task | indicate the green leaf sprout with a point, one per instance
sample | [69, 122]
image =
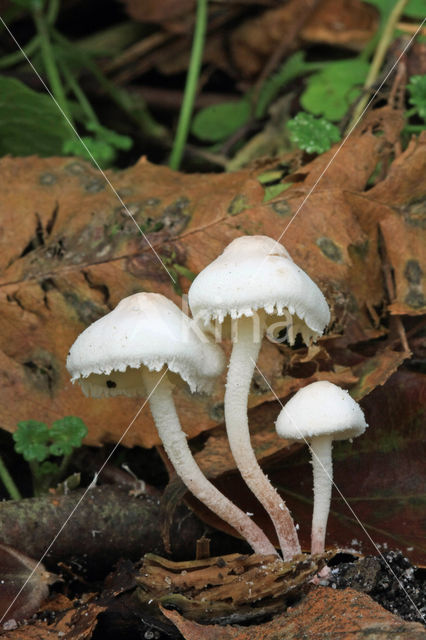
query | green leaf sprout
[37, 443]
[314, 135]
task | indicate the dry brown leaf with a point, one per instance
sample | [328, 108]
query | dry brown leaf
[355, 617]
[70, 253]
[256, 39]
[404, 184]
[152, 11]
[405, 244]
[65, 621]
[24, 584]
[343, 23]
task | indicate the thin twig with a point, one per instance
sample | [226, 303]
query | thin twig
[286, 45]
[378, 59]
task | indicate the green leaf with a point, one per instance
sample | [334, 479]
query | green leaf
[113, 138]
[274, 190]
[101, 151]
[219, 121]
[184, 271]
[66, 434]
[417, 90]
[312, 134]
[102, 146]
[30, 122]
[48, 468]
[29, 4]
[31, 439]
[383, 6]
[294, 67]
[331, 91]
[414, 8]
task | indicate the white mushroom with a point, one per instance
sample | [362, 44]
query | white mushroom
[145, 345]
[318, 414]
[255, 283]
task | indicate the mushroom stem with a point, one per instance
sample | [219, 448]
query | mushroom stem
[175, 443]
[241, 367]
[322, 468]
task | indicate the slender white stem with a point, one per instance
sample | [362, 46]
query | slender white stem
[175, 443]
[241, 366]
[322, 468]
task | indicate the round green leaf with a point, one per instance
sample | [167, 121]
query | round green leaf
[219, 121]
[331, 91]
[31, 439]
[66, 434]
[417, 90]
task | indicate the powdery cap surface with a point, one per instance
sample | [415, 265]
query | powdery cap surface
[145, 329]
[253, 273]
[319, 409]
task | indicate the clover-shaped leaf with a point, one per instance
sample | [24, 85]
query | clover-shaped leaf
[31, 439]
[66, 434]
[314, 135]
[417, 89]
[331, 91]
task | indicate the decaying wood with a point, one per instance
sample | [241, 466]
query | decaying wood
[215, 589]
[107, 524]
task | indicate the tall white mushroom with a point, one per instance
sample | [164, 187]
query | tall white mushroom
[255, 283]
[318, 414]
[143, 347]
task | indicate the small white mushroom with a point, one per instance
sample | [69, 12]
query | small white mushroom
[256, 283]
[318, 414]
[143, 347]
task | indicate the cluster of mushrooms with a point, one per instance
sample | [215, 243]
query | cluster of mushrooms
[146, 345]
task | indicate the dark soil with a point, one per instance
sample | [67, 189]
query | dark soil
[391, 580]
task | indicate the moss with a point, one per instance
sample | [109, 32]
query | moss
[330, 249]
[413, 271]
[282, 208]
[238, 204]
[415, 299]
[47, 179]
[87, 311]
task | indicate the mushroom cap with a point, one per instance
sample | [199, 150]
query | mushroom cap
[321, 409]
[257, 273]
[145, 329]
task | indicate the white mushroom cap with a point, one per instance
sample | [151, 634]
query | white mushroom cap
[321, 409]
[257, 273]
[145, 329]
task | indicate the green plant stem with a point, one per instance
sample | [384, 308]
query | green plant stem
[64, 465]
[8, 482]
[36, 477]
[410, 112]
[79, 94]
[377, 61]
[50, 63]
[122, 99]
[415, 128]
[52, 11]
[190, 86]
[17, 56]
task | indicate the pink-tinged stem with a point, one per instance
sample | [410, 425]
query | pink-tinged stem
[175, 443]
[241, 367]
